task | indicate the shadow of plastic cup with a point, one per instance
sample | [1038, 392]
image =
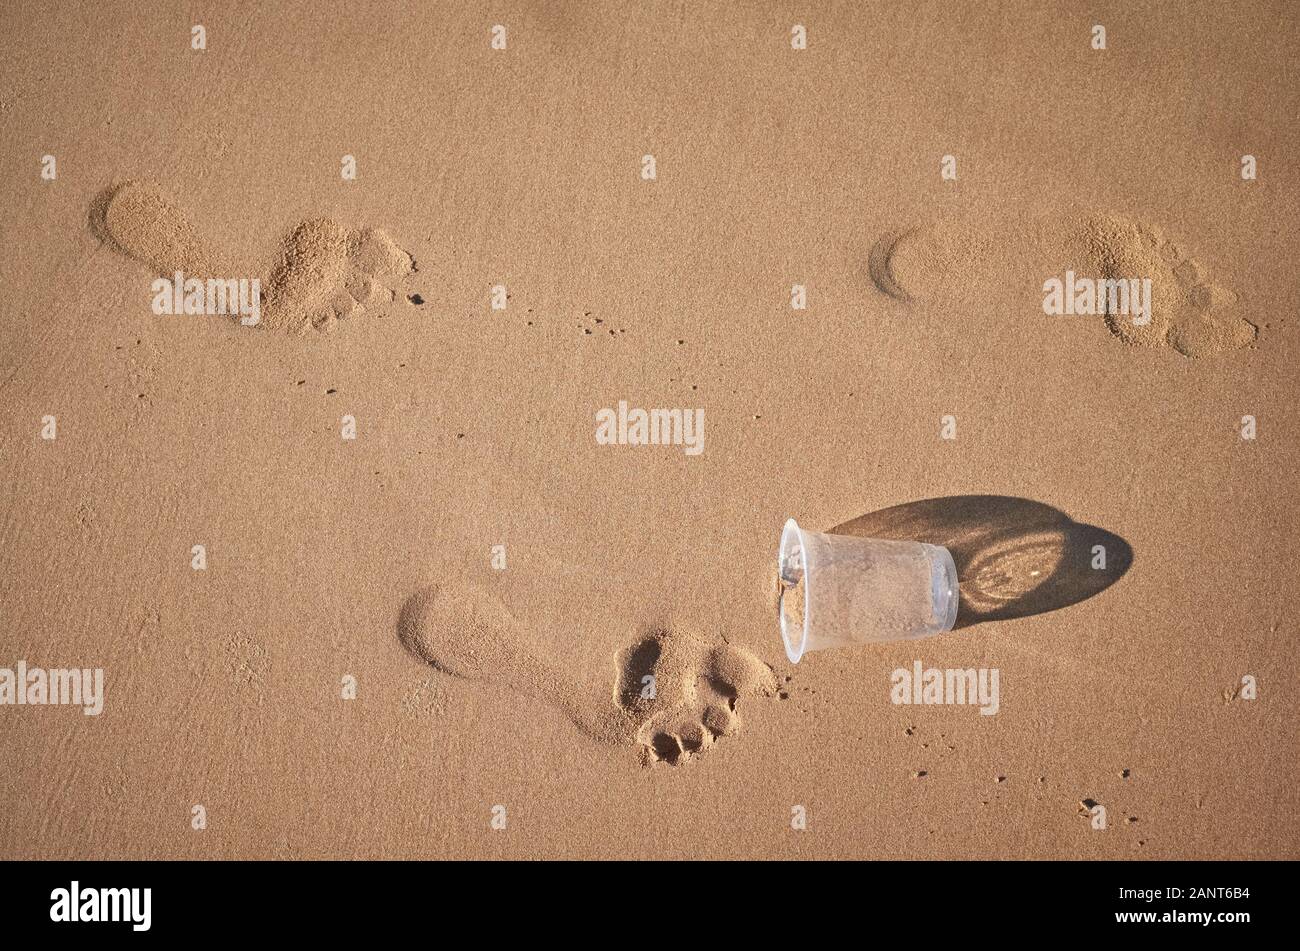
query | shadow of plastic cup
[841, 590]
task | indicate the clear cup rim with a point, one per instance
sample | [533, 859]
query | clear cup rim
[792, 533]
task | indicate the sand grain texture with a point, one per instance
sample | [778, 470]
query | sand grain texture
[482, 682]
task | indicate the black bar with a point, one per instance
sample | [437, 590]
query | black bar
[1222, 901]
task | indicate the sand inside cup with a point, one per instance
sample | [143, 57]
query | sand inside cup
[790, 607]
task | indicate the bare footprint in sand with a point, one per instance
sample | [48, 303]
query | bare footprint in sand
[1189, 313]
[325, 272]
[696, 691]
[674, 694]
[922, 263]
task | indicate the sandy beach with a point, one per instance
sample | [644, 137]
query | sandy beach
[364, 576]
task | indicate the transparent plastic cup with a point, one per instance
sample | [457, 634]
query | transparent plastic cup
[841, 590]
